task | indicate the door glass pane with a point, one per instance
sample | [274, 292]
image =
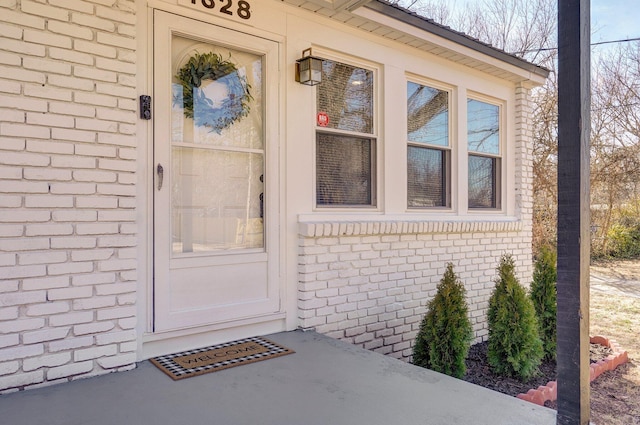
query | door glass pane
[216, 200]
[225, 109]
[217, 155]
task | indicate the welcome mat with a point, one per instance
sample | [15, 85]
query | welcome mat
[217, 357]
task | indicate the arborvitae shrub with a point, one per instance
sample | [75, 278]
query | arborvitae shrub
[544, 298]
[445, 333]
[515, 348]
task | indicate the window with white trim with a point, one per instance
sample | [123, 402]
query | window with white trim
[483, 139]
[428, 149]
[345, 137]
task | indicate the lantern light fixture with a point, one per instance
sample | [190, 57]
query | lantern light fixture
[309, 69]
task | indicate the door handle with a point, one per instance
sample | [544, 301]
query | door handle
[262, 205]
[160, 172]
[262, 198]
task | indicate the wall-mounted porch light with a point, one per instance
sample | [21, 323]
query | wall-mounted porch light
[309, 69]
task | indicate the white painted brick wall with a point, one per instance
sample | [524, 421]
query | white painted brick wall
[368, 283]
[370, 287]
[67, 187]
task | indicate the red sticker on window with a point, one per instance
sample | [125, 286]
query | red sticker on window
[322, 119]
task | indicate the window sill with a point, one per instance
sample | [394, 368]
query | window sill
[314, 226]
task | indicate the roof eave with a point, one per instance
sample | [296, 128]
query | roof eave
[461, 39]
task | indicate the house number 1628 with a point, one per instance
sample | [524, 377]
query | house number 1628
[242, 8]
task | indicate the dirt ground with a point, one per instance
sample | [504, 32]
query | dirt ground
[480, 373]
[629, 270]
[615, 395]
[615, 314]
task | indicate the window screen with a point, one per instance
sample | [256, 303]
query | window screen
[428, 151]
[345, 146]
[427, 115]
[343, 170]
[346, 96]
[482, 182]
[426, 177]
[483, 136]
[483, 127]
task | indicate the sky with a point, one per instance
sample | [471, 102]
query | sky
[610, 19]
[614, 19]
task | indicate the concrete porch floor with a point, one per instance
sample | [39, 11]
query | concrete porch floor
[326, 382]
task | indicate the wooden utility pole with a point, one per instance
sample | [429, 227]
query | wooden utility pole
[574, 101]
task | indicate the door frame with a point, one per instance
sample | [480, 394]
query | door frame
[152, 342]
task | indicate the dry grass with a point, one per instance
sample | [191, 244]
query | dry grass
[615, 395]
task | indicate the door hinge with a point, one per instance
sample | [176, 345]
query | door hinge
[145, 107]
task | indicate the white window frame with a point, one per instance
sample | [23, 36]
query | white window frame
[500, 157]
[448, 150]
[374, 136]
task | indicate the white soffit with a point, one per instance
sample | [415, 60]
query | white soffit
[350, 13]
[336, 4]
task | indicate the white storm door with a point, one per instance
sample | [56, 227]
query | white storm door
[215, 174]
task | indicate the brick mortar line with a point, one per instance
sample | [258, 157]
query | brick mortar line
[549, 392]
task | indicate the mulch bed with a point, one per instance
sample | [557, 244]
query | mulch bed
[479, 371]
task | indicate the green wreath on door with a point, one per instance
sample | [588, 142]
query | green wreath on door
[211, 66]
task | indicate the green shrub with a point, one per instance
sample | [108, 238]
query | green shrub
[445, 334]
[620, 238]
[624, 240]
[515, 348]
[544, 298]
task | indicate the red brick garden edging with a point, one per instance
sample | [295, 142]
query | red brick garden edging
[549, 392]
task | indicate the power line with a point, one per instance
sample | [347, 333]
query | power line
[546, 49]
[616, 41]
